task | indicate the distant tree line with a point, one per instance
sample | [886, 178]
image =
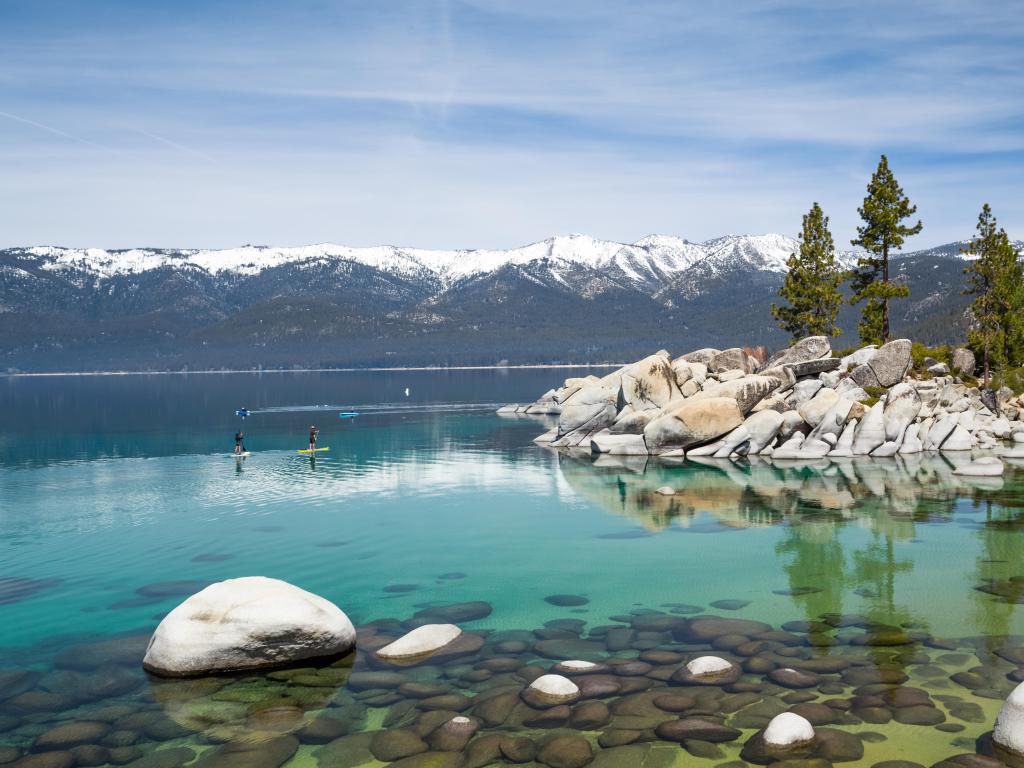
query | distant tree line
[811, 290]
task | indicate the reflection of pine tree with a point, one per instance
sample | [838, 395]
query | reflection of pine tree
[817, 560]
[1002, 547]
[875, 567]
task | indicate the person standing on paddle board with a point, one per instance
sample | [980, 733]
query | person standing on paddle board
[239, 445]
[312, 438]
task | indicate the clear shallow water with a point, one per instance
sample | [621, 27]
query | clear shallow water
[115, 489]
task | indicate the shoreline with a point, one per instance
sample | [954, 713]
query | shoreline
[261, 371]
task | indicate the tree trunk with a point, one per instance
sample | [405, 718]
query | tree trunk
[885, 299]
[986, 364]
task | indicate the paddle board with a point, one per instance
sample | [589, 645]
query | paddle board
[241, 455]
[347, 415]
[306, 450]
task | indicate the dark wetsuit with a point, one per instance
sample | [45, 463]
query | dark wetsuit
[239, 447]
[312, 439]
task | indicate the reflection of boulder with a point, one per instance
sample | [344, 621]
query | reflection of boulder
[250, 708]
[885, 495]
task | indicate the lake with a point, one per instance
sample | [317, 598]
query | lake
[892, 586]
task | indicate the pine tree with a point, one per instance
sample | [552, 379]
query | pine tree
[996, 281]
[883, 212]
[811, 286]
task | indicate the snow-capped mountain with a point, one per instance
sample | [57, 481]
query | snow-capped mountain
[567, 297]
[655, 257]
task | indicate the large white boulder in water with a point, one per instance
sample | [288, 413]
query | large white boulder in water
[247, 623]
[1009, 731]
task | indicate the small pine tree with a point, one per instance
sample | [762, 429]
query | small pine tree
[811, 287]
[996, 281]
[883, 212]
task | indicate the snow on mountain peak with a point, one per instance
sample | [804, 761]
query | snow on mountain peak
[652, 259]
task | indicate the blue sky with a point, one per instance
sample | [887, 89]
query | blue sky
[492, 123]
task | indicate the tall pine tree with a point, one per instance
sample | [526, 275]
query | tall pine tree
[883, 212]
[811, 287]
[996, 281]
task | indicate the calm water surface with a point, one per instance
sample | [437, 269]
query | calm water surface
[119, 496]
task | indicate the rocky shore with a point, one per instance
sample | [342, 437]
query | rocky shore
[647, 687]
[801, 403]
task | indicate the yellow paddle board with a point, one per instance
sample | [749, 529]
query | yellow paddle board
[306, 450]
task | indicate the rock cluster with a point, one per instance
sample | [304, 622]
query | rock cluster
[802, 403]
[646, 688]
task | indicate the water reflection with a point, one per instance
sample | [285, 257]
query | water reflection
[885, 495]
[881, 502]
[254, 707]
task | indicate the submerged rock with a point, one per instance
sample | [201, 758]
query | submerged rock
[565, 752]
[788, 730]
[422, 641]
[551, 690]
[707, 670]
[247, 623]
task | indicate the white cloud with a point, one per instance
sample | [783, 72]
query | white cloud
[494, 123]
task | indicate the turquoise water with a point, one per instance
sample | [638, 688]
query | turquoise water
[115, 488]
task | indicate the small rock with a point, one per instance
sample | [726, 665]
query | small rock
[566, 752]
[420, 642]
[788, 729]
[551, 690]
[700, 728]
[396, 743]
[709, 666]
[566, 601]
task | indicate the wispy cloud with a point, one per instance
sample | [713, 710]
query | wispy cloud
[490, 122]
[53, 131]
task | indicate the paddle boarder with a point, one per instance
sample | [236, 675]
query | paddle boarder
[313, 431]
[239, 444]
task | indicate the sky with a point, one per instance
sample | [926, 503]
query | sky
[494, 123]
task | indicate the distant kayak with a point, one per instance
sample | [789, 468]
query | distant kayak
[318, 450]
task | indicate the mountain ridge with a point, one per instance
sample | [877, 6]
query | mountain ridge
[568, 298]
